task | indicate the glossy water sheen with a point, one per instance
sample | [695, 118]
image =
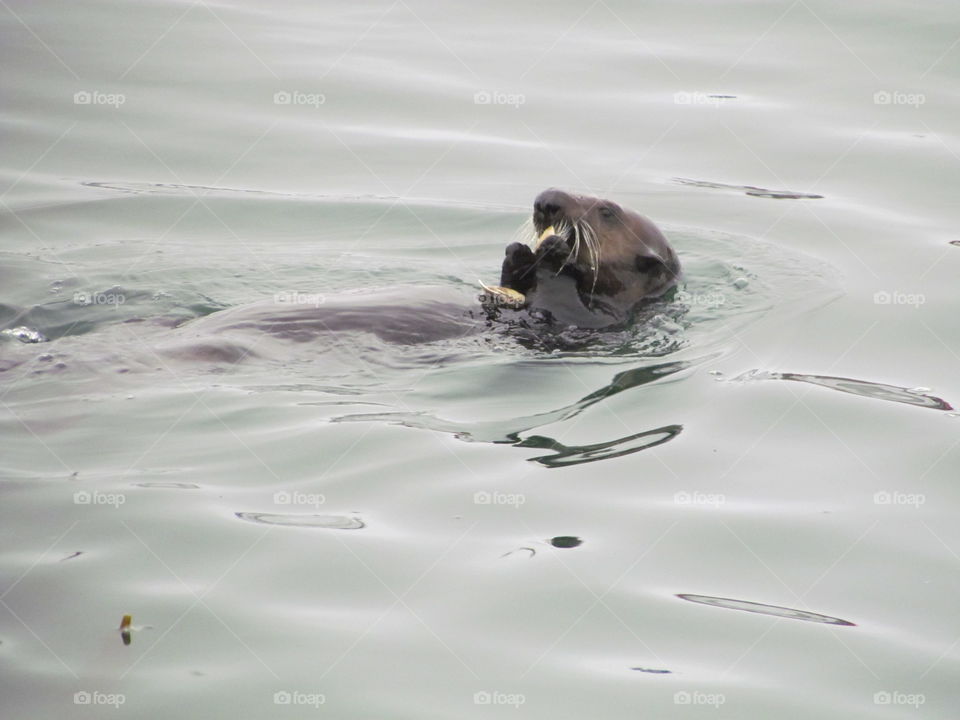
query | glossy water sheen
[319, 522]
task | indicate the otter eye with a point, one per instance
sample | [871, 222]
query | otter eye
[606, 212]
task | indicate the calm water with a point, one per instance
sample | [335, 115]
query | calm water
[744, 508]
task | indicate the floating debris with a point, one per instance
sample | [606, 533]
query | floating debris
[125, 629]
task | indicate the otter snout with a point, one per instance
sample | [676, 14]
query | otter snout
[550, 207]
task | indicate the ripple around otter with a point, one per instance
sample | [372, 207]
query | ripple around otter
[762, 609]
[330, 522]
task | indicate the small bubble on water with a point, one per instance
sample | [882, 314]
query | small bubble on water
[740, 283]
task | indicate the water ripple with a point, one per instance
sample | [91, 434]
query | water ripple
[330, 522]
[863, 388]
[763, 609]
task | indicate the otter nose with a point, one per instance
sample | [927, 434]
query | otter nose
[550, 203]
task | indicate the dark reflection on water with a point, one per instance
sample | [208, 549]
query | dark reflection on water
[762, 609]
[330, 522]
[566, 541]
[864, 388]
[509, 431]
[579, 454]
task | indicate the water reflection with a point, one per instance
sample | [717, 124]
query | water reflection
[579, 454]
[330, 522]
[751, 190]
[509, 431]
[865, 388]
[762, 609]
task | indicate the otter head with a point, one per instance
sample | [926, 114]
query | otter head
[592, 253]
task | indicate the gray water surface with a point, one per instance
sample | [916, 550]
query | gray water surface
[743, 507]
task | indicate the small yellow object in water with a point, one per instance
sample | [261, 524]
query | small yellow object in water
[125, 629]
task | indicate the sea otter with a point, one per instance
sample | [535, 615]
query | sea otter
[592, 264]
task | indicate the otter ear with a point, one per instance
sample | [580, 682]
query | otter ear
[648, 264]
